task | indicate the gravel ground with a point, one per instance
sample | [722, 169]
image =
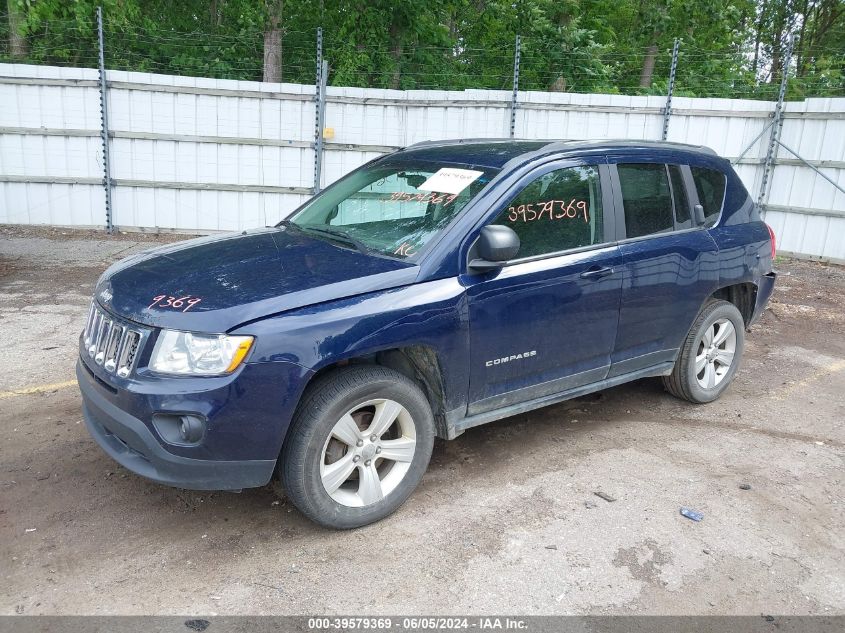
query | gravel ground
[505, 521]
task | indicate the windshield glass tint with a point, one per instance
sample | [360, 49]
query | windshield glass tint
[393, 208]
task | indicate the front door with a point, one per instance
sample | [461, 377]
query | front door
[546, 322]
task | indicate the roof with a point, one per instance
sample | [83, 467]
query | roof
[496, 153]
[481, 152]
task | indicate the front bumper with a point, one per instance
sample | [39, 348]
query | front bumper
[133, 445]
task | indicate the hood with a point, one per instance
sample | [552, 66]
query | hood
[214, 284]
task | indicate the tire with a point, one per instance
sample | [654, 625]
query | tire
[333, 470]
[703, 372]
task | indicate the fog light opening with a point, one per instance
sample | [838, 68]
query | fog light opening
[190, 429]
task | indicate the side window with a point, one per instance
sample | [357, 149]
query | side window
[558, 211]
[710, 185]
[646, 198]
[679, 195]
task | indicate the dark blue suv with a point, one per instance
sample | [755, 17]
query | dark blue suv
[432, 290]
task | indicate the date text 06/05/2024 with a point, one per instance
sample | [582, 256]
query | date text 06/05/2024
[417, 623]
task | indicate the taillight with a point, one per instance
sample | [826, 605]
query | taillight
[772, 237]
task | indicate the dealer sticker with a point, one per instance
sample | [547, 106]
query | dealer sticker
[450, 180]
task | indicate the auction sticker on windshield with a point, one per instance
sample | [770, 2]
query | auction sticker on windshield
[450, 180]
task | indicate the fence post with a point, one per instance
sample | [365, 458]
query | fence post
[774, 136]
[319, 107]
[516, 52]
[104, 121]
[667, 111]
[321, 124]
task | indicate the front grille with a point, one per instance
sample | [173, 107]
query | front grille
[112, 344]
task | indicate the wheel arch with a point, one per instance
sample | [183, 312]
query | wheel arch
[743, 295]
[421, 363]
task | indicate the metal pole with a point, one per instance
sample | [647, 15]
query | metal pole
[321, 124]
[318, 114]
[751, 144]
[516, 52]
[813, 167]
[667, 111]
[777, 126]
[104, 122]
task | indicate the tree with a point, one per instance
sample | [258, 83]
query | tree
[18, 47]
[273, 41]
[820, 47]
[652, 21]
[730, 48]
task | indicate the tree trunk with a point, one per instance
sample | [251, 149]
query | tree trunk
[758, 37]
[648, 66]
[273, 42]
[396, 49]
[558, 85]
[775, 71]
[779, 30]
[395, 80]
[215, 10]
[18, 46]
[777, 42]
[800, 49]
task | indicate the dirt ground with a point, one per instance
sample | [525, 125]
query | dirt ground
[506, 519]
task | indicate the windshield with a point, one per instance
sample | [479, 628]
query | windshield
[393, 207]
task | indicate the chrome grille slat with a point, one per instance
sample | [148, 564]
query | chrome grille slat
[102, 338]
[118, 351]
[95, 333]
[87, 335]
[129, 353]
[110, 343]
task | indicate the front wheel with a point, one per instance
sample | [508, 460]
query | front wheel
[358, 446]
[710, 355]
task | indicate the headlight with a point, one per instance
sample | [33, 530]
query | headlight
[189, 354]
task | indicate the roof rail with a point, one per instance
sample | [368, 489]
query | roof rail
[466, 141]
[569, 143]
[630, 142]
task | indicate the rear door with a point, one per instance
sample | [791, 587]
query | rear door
[546, 322]
[670, 264]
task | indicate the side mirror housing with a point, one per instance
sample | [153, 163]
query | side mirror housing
[496, 245]
[698, 211]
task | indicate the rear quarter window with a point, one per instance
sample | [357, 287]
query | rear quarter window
[710, 185]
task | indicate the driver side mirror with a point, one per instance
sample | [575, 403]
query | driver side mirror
[496, 245]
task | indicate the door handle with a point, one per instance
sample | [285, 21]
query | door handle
[597, 273]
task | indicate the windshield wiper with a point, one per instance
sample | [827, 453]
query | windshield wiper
[339, 235]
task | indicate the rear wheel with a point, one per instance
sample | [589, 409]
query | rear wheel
[710, 355]
[359, 445]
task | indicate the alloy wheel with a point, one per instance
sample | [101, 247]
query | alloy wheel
[368, 453]
[715, 354]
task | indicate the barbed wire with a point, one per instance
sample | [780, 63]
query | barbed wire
[734, 72]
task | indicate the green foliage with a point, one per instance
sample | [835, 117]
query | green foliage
[730, 48]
